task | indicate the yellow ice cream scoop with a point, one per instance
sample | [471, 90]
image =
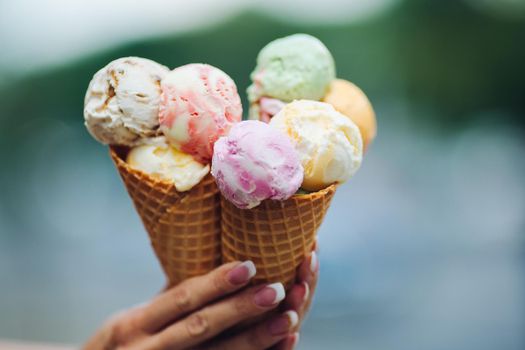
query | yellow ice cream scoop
[165, 162]
[350, 100]
[329, 144]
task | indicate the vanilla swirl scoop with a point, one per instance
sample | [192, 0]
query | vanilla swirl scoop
[121, 106]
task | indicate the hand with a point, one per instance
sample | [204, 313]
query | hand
[300, 297]
[193, 314]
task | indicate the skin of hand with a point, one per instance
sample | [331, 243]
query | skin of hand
[300, 297]
[194, 314]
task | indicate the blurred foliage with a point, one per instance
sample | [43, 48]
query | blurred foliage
[439, 56]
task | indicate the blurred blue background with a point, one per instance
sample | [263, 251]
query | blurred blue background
[422, 249]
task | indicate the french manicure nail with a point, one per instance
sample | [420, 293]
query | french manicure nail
[306, 291]
[295, 340]
[283, 323]
[314, 262]
[270, 295]
[242, 273]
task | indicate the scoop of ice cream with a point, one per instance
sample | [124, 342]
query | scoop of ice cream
[329, 144]
[350, 100]
[294, 67]
[256, 162]
[199, 103]
[122, 101]
[265, 109]
[165, 162]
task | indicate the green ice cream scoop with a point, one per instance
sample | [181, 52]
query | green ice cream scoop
[298, 66]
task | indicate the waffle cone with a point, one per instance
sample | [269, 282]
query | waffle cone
[184, 227]
[276, 235]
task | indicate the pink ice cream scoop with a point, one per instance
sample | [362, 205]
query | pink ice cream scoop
[256, 162]
[199, 103]
[269, 107]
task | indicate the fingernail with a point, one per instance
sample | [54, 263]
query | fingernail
[241, 273]
[270, 295]
[283, 324]
[295, 340]
[306, 292]
[314, 262]
[315, 247]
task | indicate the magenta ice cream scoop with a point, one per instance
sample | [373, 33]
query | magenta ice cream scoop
[256, 162]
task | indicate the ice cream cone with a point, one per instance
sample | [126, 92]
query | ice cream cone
[184, 227]
[276, 235]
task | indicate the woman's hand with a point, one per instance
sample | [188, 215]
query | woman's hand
[192, 314]
[300, 297]
[196, 313]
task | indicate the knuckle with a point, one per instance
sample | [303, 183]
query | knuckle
[136, 318]
[124, 328]
[119, 334]
[219, 283]
[153, 343]
[181, 299]
[241, 306]
[197, 325]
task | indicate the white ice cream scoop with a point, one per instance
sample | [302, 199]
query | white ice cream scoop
[121, 106]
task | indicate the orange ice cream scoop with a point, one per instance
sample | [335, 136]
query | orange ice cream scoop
[350, 100]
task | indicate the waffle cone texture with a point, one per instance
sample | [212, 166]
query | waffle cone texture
[276, 235]
[184, 227]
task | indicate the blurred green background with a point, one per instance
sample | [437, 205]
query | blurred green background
[423, 249]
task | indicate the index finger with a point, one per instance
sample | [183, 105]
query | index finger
[194, 293]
